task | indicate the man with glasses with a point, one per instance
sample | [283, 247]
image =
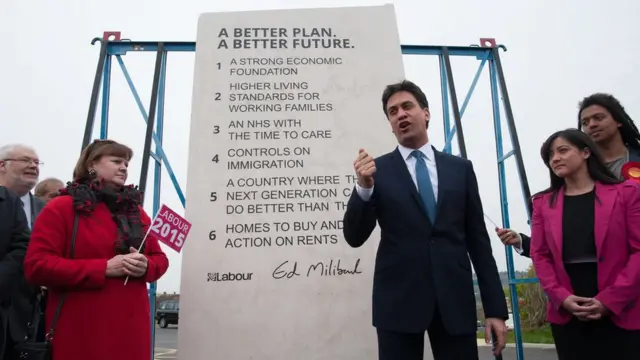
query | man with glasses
[19, 172]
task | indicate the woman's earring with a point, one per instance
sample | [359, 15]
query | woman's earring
[92, 173]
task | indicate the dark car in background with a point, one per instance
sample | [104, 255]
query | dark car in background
[167, 313]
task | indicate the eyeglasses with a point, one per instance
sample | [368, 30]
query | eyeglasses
[27, 161]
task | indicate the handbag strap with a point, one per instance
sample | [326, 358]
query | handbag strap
[49, 335]
[32, 326]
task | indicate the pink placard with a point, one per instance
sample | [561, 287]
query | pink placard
[170, 228]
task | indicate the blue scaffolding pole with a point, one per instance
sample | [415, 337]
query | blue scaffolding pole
[112, 46]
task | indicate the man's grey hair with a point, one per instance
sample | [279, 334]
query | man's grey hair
[41, 187]
[7, 150]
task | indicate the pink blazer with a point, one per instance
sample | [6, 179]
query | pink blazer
[617, 236]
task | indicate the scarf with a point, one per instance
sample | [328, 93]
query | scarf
[123, 203]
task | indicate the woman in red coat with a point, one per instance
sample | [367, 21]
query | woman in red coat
[101, 318]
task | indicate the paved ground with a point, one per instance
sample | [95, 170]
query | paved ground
[167, 343]
[529, 354]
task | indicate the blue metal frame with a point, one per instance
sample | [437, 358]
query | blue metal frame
[486, 55]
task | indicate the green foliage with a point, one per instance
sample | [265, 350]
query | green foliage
[530, 336]
[532, 303]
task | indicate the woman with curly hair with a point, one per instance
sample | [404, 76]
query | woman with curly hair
[84, 244]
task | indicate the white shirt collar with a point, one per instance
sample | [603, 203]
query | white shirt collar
[426, 149]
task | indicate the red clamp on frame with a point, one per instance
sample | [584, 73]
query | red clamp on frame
[488, 42]
[111, 36]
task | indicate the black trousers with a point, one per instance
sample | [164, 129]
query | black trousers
[8, 345]
[586, 340]
[407, 346]
[602, 339]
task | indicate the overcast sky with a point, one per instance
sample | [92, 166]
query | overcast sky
[558, 52]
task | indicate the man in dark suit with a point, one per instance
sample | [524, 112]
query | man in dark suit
[14, 237]
[19, 172]
[429, 211]
[604, 119]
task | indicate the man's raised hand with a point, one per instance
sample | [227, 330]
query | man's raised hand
[365, 168]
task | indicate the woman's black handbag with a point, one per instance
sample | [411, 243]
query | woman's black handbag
[30, 349]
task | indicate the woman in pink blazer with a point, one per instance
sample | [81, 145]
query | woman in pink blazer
[585, 247]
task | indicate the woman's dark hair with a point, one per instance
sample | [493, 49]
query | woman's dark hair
[598, 171]
[628, 130]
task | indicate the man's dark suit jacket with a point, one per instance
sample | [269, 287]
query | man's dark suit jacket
[420, 267]
[36, 207]
[14, 238]
[24, 298]
[526, 245]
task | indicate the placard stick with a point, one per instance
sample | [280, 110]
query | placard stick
[491, 221]
[140, 248]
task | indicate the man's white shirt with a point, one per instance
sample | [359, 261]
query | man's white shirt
[410, 162]
[26, 202]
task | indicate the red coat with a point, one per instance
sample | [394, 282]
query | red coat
[101, 318]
